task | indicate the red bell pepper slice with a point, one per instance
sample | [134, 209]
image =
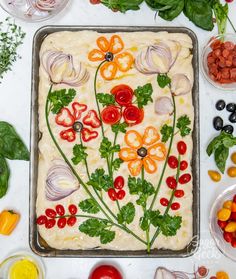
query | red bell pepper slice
[69, 135]
[78, 109]
[88, 135]
[91, 119]
[65, 118]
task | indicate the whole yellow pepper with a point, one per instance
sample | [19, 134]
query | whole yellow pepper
[8, 221]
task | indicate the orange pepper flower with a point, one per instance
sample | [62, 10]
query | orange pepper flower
[143, 151]
[111, 51]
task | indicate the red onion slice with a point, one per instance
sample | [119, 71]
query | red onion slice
[163, 105]
[180, 85]
[163, 273]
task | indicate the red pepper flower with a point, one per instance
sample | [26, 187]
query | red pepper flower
[70, 119]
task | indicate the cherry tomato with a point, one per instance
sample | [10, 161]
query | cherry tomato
[185, 178]
[61, 223]
[173, 162]
[72, 209]
[121, 194]
[164, 201]
[234, 199]
[133, 115]
[179, 193]
[71, 221]
[123, 94]
[119, 182]
[112, 194]
[171, 182]
[233, 216]
[222, 224]
[228, 237]
[105, 272]
[233, 242]
[183, 165]
[60, 210]
[202, 271]
[213, 277]
[175, 206]
[182, 147]
[111, 115]
[95, 2]
[50, 213]
[41, 220]
[50, 223]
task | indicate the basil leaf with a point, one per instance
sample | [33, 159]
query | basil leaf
[100, 181]
[143, 95]
[107, 236]
[106, 99]
[11, 145]
[163, 80]
[166, 132]
[122, 5]
[221, 156]
[4, 176]
[126, 214]
[173, 12]
[89, 206]
[79, 154]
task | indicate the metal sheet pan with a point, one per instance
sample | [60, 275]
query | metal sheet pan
[38, 245]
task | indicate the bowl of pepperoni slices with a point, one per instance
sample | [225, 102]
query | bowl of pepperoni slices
[219, 61]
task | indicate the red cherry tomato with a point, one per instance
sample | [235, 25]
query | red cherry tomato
[105, 272]
[175, 206]
[133, 115]
[95, 2]
[202, 271]
[228, 237]
[222, 224]
[50, 213]
[164, 202]
[60, 210]
[179, 193]
[234, 199]
[173, 162]
[111, 115]
[61, 223]
[123, 94]
[50, 223]
[112, 194]
[71, 221]
[119, 182]
[171, 182]
[213, 277]
[121, 194]
[41, 220]
[233, 216]
[185, 178]
[72, 209]
[183, 165]
[182, 147]
[233, 242]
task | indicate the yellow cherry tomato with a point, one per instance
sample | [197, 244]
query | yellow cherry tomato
[222, 275]
[231, 172]
[231, 227]
[233, 157]
[228, 204]
[223, 214]
[214, 175]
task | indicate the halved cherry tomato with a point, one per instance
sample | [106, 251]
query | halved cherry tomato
[112, 194]
[105, 272]
[133, 139]
[183, 165]
[119, 182]
[51, 213]
[108, 70]
[78, 109]
[124, 61]
[173, 162]
[42, 220]
[185, 178]
[123, 94]
[175, 206]
[71, 221]
[50, 223]
[111, 115]
[65, 118]
[91, 119]
[120, 194]
[68, 135]
[133, 115]
[179, 193]
[182, 147]
[61, 223]
[171, 182]
[88, 135]
[103, 43]
[60, 210]
[164, 202]
[72, 209]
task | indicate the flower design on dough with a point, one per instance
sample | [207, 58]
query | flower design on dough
[143, 151]
[60, 68]
[73, 120]
[110, 53]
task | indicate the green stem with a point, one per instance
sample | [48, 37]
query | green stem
[167, 156]
[85, 160]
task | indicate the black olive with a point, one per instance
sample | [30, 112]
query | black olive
[231, 107]
[109, 56]
[232, 117]
[142, 152]
[218, 123]
[78, 126]
[228, 129]
[220, 105]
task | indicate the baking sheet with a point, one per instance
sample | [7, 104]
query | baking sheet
[37, 244]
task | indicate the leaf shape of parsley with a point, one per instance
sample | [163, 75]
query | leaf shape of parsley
[143, 95]
[89, 206]
[79, 154]
[169, 225]
[127, 213]
[163, 80]
[100, 181]
[93, 227]
[166, 132]
[120, 127]
[106, 99]
[182, 123]
[107, 236]
[106, 148]
[117, 163]
[60, 99]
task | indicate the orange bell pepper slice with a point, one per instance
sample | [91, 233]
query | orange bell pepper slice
[133, 139]
[8, 221]
[124, 61]
[108, 70]
[157, 149]
[150, 135]
[103, 44]
[135, 167]
[116, 44]
[96, 55]
[128, 154]
[150, 165]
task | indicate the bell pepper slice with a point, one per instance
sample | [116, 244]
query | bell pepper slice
[65, 118]
[88, 135]
[103, 44]
[96, 55]
[157, 152]
[8, 221]
[128, 154]
[124, 61]
[133, 139]
[150, 165]
[116, 44]
[91, 119]
[78, 109]
[150, 135]
[69, 135]
[135, 167]
[108, 70]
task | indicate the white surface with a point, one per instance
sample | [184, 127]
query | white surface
[15, 98]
